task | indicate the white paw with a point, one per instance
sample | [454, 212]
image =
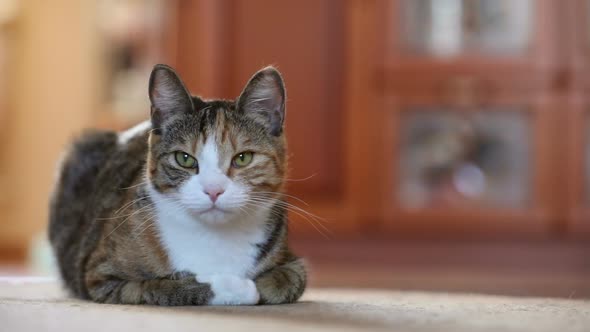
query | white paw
[231, 290]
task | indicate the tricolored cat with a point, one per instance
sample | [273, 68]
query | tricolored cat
[184, 209]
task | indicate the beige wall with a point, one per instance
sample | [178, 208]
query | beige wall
[52, 80]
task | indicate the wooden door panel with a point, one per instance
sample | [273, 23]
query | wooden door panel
[304, 39]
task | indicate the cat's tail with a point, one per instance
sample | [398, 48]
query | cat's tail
[74, 187]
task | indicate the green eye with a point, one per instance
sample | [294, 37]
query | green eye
[242, 159]
[185, 160]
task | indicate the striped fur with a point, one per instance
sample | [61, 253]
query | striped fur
[105, 218]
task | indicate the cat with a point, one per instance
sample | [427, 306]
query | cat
[187, 208]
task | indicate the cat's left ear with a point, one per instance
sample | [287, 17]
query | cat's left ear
[263, 99]
[168, 95]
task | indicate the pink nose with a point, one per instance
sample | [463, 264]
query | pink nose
[214, 193]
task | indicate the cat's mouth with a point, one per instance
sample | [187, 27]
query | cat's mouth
[213, 215]
[214, 212]
[214, 209]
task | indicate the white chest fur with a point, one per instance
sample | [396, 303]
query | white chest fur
[205, 249]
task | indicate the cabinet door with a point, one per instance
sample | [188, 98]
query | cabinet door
[467, 112]
[231, 40]
[447, 36]
[447, 28]
[304, 39]
[484, 168]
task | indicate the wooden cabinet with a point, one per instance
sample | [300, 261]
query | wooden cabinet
[466, 110]
[416, 115]
[577, 122]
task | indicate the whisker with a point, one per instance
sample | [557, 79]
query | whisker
[127, 205]
[151, 205]
[149, 209]
[282, 194]
[295, 207]
[125, 215]
[314, 220]
[149, 219]
[135, 185]
[303, 179]
[126, 219]
[315, 226]
[249, 210]
[148, 226]
[306, 215]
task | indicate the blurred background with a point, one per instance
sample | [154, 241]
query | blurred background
[443, 144]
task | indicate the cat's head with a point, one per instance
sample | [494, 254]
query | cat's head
[217, 159]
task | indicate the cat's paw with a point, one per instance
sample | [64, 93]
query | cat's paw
[231, 290]
[179, 275]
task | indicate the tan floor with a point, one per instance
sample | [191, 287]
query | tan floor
[37, 305]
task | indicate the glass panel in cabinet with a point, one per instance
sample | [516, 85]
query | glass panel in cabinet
[450, 27]
[465, 159]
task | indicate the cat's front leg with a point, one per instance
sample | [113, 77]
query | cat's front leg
[173, 291]
[230, 290]
[283, 283]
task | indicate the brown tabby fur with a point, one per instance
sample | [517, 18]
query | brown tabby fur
[101, 222]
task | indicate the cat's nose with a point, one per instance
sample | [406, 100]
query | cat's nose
[214, 193]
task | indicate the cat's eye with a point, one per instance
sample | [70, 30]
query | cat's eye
[242, 159]
[185, 160]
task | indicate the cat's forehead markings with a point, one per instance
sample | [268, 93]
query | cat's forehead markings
[209, 157]
[203, 139]
[221, 125]
[194, 146]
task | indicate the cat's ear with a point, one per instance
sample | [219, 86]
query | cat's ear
[263, 99]
[168, 95]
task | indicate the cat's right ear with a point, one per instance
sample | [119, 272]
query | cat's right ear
[168, 96]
